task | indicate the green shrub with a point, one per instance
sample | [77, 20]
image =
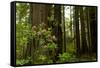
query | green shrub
[19, 62]
[43, 40]
[23, 34]
[22, 61]
[65, 57]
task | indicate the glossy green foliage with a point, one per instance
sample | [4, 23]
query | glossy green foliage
[22, 61]
[23, 34]
[66, 57]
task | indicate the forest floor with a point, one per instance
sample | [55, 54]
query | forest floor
[83, 58]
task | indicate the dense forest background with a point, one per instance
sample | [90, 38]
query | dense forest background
[54, 33]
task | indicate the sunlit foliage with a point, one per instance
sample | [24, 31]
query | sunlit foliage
[62, 34]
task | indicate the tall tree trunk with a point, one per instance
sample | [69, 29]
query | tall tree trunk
[88, 30]
[63, 29]
[58, 30]
[93, 28]
[71, 20]
[83, 32]
[77, 34]
[39, 14]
